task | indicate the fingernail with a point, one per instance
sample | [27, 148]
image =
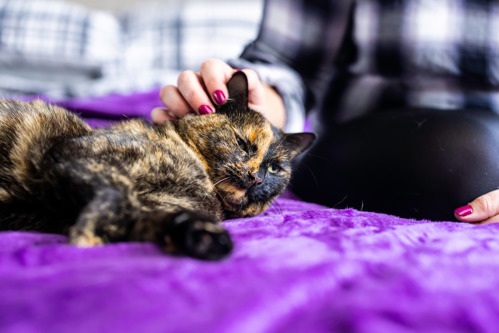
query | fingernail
[464, 211]
[205, 109]
[219, 97]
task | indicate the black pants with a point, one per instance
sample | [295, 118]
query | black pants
[412, 163]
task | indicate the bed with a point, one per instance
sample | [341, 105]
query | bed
[298, 267]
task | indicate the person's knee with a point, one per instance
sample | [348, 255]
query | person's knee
[421, 160]
[463, 149]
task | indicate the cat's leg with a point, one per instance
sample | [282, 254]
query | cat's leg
[109, 210]
[98, 199]
[184, 232]
[108, 217]
[114, 215]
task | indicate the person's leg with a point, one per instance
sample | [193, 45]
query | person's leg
[412, 163]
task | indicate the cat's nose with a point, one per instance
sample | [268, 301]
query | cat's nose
[255, 180]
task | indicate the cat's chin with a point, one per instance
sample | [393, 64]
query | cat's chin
[232, 215]
[233, 206]
[247, 210]
[232, 196]
[236, 203]
[233, 200]
[231, 211]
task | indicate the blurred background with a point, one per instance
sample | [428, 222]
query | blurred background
[116, 5]
[77, 48]
[113, 5]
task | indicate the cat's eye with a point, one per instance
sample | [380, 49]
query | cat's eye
[241, 143]
[274, 168]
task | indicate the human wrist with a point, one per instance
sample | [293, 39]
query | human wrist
[275, 111]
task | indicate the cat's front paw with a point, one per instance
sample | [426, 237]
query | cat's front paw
[199, 237]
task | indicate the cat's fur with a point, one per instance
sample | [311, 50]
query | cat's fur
[168, 184]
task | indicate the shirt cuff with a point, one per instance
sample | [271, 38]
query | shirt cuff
[289, 86]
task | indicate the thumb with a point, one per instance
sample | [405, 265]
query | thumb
[483, 209]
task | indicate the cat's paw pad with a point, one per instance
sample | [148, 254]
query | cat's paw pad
[199, 237]
[84, 238]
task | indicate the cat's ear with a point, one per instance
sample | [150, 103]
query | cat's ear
[298, 142]
[238, 89]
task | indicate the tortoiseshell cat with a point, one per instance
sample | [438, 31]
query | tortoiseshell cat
[169, 184]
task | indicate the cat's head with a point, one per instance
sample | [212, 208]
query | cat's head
[248, 159]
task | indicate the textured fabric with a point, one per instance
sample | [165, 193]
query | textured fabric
[372, 54]
[298, 268]
[112, 108]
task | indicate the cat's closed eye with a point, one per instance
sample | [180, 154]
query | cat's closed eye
[241, 143]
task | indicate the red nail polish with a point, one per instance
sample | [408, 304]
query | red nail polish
[464, 211]
[219, 97]
[205, 109]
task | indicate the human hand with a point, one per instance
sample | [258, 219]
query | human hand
[201, 92]
[484, 209]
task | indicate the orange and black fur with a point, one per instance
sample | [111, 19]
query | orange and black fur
[169, 184]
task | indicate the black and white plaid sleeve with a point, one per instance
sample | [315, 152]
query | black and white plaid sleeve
[371, 54]
[294, 51]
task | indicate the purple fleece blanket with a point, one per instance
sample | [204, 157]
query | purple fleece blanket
[299, 267]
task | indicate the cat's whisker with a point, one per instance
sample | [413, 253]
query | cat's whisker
[221, 180]
[270, 210]
[276, 208]
[273, 208]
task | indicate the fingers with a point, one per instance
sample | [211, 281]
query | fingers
[188, 97]
[215, 75]
[195, 92]
[160, 115]
[484, 209]
[202, 92]
[174, 102]
[493, 219]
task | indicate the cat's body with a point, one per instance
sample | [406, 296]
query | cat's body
[168, 184]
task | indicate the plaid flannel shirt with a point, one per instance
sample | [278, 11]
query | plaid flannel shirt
[353, 57]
